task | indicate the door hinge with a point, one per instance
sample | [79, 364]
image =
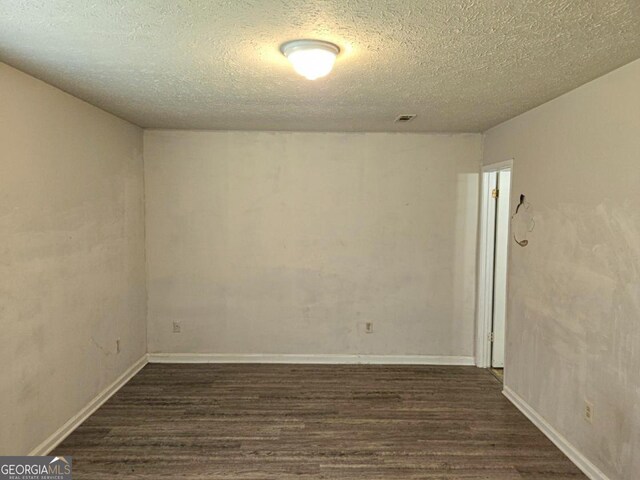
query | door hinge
[495, 193]
[492, 337]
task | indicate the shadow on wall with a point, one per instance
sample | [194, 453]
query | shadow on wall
[465, 253]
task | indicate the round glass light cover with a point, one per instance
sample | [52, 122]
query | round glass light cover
[311, 59]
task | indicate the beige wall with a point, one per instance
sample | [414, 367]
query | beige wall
[573, 327]
[72, 277]
[287, 243]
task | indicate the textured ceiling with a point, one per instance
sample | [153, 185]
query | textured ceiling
[203, 64]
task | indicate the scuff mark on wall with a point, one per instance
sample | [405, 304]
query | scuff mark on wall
[578, 304]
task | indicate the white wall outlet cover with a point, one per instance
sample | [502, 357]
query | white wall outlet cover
[588, 411]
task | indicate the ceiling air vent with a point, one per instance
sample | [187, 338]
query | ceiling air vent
[405, 118]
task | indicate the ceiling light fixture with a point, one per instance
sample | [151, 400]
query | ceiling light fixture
[312, 59]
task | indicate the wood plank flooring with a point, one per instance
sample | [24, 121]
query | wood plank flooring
[312, 422]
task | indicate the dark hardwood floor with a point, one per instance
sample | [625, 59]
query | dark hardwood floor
[312, 421]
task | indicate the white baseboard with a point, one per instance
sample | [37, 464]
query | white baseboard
[313, 359]
[588, 468]
[74, 422]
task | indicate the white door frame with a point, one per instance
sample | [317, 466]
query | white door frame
[485, 265]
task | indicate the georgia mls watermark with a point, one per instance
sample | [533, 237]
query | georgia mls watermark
[35, 468]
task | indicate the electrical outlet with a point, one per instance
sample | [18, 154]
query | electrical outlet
[368, 327]
[588, 411]
[118, 345]
[176, 327]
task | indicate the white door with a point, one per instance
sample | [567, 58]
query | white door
[500, 267]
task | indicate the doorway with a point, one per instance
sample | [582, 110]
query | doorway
[494, 246]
